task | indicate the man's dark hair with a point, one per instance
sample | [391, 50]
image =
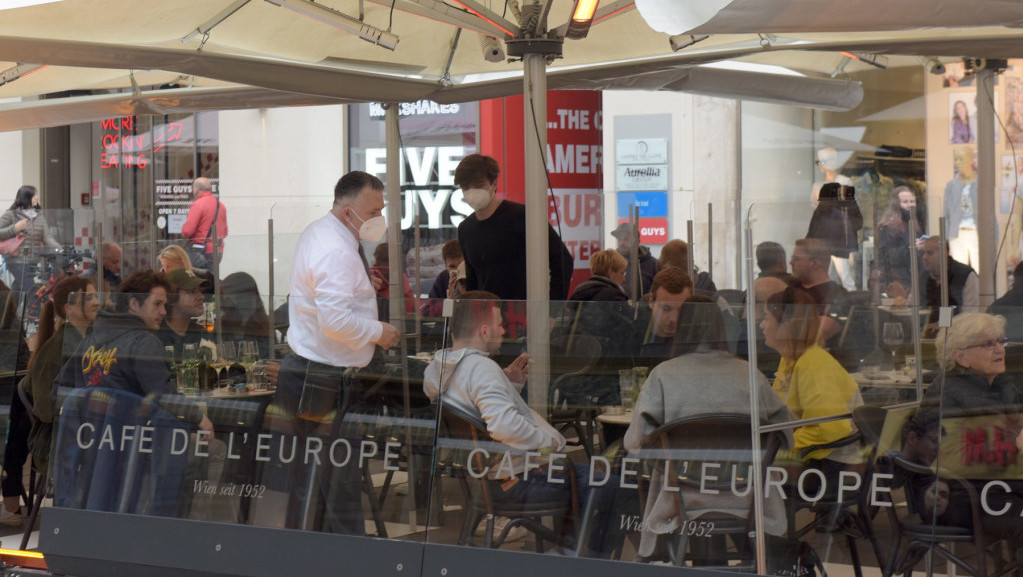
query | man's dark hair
[24, 197]
[699, 323]
[770, 256]
[140, 283]
[470, 311]
[351, 184]
[476, 167]
[451, 249]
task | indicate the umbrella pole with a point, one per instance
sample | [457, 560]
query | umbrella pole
[538, 273]
[987, 224]
[397, 300]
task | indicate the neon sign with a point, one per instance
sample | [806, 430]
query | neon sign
[121, 147]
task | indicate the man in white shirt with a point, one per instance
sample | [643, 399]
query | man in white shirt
[333, 329]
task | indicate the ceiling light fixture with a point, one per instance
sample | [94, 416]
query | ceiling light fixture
[340, 21]
[582, 18]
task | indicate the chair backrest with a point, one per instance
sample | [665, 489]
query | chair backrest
[869, 421]
[91, 473]
[573, 354]
[25, 400]
[463, 433]
[722, 439]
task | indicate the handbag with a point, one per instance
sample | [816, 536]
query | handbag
[12, 245]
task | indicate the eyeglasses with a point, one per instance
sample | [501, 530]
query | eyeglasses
[989, 345]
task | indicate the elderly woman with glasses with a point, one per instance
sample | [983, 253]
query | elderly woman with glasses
[974, 380]
[972, 393]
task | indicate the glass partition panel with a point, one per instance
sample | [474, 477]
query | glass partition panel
[835, 359]
[160, 418]
[961, 445]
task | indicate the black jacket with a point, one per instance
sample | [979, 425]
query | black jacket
[647, 271]
[836, 222]
[123, 353]
[598, 288]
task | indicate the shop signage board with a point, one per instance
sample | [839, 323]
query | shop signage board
[641, 151]
[653, 214]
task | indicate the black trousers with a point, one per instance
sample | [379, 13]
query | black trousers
[325, 497]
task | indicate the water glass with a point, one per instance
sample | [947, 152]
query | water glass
[627, 387]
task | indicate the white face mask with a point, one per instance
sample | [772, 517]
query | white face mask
[477, 198]
[373, 229]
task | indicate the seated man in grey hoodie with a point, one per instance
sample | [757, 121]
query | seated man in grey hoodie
[464, 376]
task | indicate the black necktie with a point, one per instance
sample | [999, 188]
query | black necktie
[362, 255]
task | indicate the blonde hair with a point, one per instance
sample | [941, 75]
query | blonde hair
[605, 262]
[965, 328]
[177, 255]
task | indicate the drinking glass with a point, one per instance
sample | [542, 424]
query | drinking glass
[893, 338]
[249, 354]
[227, 355]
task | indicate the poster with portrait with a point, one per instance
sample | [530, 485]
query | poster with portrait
[1011, 177]
[1012, 115]
[962, 114]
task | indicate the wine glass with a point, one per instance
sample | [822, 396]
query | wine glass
[249, 354]
[227, 355]
[893, 338]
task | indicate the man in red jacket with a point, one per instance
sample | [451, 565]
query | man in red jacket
[204, 210]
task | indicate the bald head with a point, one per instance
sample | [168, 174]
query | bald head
[201, 185]
[763, 289]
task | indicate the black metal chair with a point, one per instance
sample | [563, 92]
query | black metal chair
[913, 537]
[572, 357]
[852, 514]
[678, 450]
[465, 437]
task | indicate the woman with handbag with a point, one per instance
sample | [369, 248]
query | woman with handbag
[24, 221]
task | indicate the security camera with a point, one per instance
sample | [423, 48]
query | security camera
[934, 66]
[492, 51]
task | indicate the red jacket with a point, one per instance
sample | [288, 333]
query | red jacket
[200, 217]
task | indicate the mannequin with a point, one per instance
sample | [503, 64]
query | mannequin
[828, 165]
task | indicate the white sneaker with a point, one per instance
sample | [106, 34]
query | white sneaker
[517, 533]
[11, 519]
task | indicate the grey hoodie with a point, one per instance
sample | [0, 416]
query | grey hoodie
[473, 382]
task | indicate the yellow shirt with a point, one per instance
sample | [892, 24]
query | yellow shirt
[815, 385]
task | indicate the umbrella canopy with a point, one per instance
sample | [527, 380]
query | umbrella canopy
[338, 51]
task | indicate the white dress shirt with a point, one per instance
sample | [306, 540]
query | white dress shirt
[332, 307]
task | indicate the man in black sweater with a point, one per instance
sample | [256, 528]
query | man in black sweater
[493, 238]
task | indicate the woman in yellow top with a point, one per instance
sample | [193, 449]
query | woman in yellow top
[809, 379]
